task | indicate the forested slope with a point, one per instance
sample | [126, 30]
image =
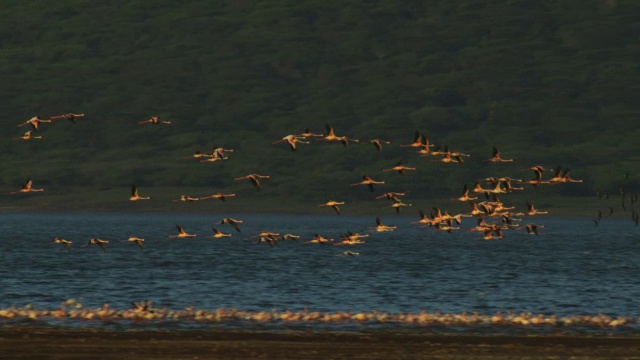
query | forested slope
[551, 83]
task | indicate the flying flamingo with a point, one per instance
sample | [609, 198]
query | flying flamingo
[27, 187]
[182, 233]
[138, 241]
[495, 156]
[155, 120]
[400, 168]
[59, 240]
[69, 116]
[334, 205]
[35, 122]
[233, 222]
[135, 196]
[254, 178]
[101, 243]
[369, 182]
[292, 140]
[27, 136]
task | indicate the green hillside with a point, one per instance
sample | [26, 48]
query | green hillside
[547, 82]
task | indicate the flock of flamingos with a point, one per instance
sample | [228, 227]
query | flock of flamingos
[492, 215]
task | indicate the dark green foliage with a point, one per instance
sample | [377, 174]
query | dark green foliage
[547, 82]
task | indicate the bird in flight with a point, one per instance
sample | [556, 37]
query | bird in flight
[254, 178]
[218, 234]
[378, 143]
[393, 196]
[495, 156]
[366, 180]
[27, 187]
[291, 140]
[380, 227]
[101, 243]
[59, 240]
[400, 168]
[307, 134]
[187, 198]
[465, 194]
[135, 196]
[155, 120]
[318, 239]
[69, 116]
[182, 233]
[334, 205]
[35, 122]
[218, 195]
[532, 229]
[233, 222]
[27, 136]
[532, 210]
[137, 240]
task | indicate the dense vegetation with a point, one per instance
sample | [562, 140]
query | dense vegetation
[547, 82]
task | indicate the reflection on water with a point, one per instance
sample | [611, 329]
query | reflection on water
[573, 268]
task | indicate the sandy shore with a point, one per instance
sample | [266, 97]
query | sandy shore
[20, 342]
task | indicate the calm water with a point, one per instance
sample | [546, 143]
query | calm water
[573, 268]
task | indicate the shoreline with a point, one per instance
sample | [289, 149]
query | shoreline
[27, 342]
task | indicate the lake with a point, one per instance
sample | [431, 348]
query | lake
[571, 268]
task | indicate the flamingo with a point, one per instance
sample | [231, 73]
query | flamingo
[488, 233]
[69, 116]
[380, 227]
[233, 222]
[424, 219]
[307, 134]
[568, 179]
[366, 180]
[292, 140]
[397, 205]
[391, 196]
[137, 240]
[254, 178]
[214, 158]
[135, 196]
[537, 170]
[532, 210]
[218, 234]
[532, 229]
[400, 168]
[196, 155]
[272, 241]
[350, 238]
[101, 243]
[27, 136]
[219, 152]
[187, 198]
[155, 120]
[377, 143]
[59, 240]
[495, 156]
[465, 194]
[182, 233]
[417, 141]
[35, 122]
[331, 136]
[334, 205]
[318, 239]
[26, 188]
[349, 253]
[221, 196]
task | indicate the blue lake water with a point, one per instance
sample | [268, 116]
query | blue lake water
[571, 268]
